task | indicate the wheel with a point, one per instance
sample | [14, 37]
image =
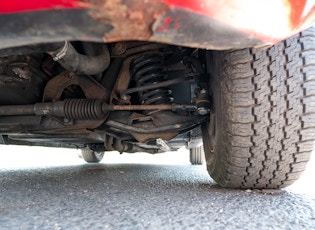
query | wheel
[91, 156]
[261, 130]
[197, 156]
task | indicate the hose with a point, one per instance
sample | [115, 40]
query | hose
[72, 61]
[67, 56]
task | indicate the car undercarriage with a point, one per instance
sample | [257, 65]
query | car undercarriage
[125, 96]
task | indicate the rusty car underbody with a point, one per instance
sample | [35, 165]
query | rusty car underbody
[124, 96]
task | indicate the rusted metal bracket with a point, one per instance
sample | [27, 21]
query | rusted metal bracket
[90, 87]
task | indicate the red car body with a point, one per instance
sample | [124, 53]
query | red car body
[209, 24]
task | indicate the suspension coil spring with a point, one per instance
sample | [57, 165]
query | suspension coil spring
[147, 69]
[83, 109]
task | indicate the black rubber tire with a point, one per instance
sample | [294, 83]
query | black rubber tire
[263, 127]
[197, 156]
[91, 156]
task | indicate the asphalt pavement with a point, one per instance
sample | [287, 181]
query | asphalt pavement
[141, 196]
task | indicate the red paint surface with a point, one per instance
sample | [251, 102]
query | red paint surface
[166, 24]
[198, 6]
[291, 15]
[207, 8]
[16, 6]
[297, 8]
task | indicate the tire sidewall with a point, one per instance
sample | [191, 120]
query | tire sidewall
[214, 146]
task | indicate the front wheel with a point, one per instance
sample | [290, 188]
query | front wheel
[262, 127]
[91, 156]
[197, 156]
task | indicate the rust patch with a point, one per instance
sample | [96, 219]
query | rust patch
[145, 137]
[141, 137]
[130, 19]
[122, 82]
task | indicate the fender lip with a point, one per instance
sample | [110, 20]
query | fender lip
[200, 23]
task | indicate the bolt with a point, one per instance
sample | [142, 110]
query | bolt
[203, 111]
[69, 75]
[119, 48]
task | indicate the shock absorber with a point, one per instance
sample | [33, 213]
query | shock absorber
[147, 69]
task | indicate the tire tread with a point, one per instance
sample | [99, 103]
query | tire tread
[270, 107]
